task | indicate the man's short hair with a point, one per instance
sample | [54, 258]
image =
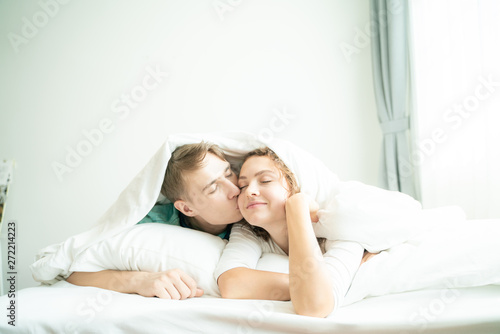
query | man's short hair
[186, 158]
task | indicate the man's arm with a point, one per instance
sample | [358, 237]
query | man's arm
[170, 284]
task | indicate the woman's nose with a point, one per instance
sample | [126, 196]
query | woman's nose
[252, 190]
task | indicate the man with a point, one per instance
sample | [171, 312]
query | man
[202, 187]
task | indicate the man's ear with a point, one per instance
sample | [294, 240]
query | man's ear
[185, 208]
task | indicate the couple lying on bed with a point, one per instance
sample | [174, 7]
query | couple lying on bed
[207, 196]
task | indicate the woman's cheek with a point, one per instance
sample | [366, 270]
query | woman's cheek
[240, 202]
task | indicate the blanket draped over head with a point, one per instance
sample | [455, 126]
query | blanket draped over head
[349, 210]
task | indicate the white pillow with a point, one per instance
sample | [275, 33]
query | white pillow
[157, 247]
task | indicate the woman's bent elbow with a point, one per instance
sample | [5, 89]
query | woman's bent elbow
[226, 291]
[317, 310]
[228, 286]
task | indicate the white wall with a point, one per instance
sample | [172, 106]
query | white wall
[230, 65]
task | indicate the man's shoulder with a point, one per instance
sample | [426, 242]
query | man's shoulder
[163, 213]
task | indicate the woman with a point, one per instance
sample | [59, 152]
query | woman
[320, 271]
[450, 253]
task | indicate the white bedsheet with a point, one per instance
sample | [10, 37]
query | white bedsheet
[65, 308]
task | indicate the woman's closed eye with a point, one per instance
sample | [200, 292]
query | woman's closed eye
[243, 186]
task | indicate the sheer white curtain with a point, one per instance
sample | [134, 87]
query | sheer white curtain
[455, 70]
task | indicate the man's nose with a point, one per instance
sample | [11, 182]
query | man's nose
[233, 190]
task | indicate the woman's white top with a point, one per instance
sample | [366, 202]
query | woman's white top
[244, 249]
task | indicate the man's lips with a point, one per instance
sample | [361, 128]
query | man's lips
[255, 205]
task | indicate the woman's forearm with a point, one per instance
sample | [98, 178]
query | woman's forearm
[310, 286]
[245, 283]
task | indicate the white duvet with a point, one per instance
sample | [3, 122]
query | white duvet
[376, 218]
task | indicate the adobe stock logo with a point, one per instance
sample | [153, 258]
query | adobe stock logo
[362, 37]
[121, 106]
[31, 27]
[278, 122]
[453, 119]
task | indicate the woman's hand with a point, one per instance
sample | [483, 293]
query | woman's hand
[304, 200]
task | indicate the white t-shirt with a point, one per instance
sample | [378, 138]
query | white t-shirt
[244, 249]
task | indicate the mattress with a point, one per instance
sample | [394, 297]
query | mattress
[65, 308]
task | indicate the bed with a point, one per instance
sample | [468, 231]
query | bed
[372, 305]
[404, 289]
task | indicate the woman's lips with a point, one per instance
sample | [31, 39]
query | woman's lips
[253, 205]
